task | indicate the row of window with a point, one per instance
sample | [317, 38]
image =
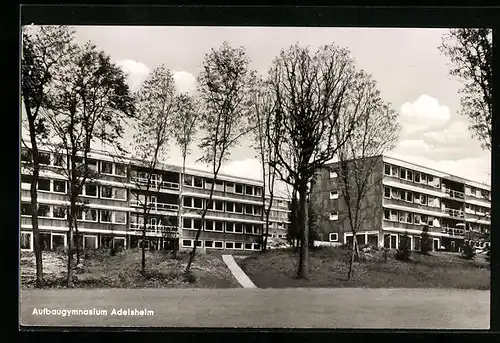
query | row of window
[477, 210]
[222, 186]
[411, 218]
[88, 190]
[412, 176]
[59, 160]
[223, 206]
[88, 214]
[411, 197]
[478, 193]
[189, 243]
[219, 226]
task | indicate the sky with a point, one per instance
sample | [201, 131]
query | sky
[410, 72]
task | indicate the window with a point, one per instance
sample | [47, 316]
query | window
[106, 216]
[59, 186]
[58, 160]
[188, 180]
[394, 215]
[218, 245]
[238, 228]
[408, 218]
[187, 223]
[248, 209]
[417, 177]
[91, 190]
[248, 228]
[387, 192]
[256, 246]
[120, 217]
[90, 214]
[402, 217]
[423, 179]
[26, 238]
[219, 227]
[238, 208]
[120, 193]
[334, 237]
[229, 207]
[387, 169]
[395, 193]
[219, 185]
[230, 187]
[120, 170]
[208, 183]
[432, 201]
[44, 184]
[26, 155]
[90, 242]
[248, 246]
[44, 158]
[394, 171]
[408, 196]
[187, 243]
[258, 191]
[402, 173]
[387, 214]
[229, 227]
[409, 175]
[198, 203]
[433, 181]
[197, 223]
[107, 192]
[25, 209]
[199, 244]
[198, 182]
[106, 167]
[334, 194]
[209, 225]
[43, 210]
[238, 189]
[238, 245]
[92, 165]
[249, 190]
[218, 205]
[229, 245]
[468, 190]
[333, 174]
[209, 244]
[257, 210]
[334, 215]
[187, 202]
[59, 212]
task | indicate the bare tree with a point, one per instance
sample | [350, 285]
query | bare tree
[265, 144]
[156, 106]
[471, 53]
[376, 132]
[42, 53]
[313, 95]
[185, 128]
[224, 87]
[87, 103]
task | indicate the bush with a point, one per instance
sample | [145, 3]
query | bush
[468, 251]
[425, 241]
[404, 250]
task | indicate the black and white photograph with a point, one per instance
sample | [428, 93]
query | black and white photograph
[255, 177]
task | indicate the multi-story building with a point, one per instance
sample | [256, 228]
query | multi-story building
[113, 206]
[400, 198]
[279, 217]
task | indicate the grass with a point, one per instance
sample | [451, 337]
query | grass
[101, 270]
[328, 267]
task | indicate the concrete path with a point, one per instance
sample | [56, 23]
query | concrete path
[352, 308]
[237, 272]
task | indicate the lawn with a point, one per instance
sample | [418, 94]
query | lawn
[328, 267]
[99, 269]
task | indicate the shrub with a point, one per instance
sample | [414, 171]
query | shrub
[468, 251]
[404, 250]
[425, 241]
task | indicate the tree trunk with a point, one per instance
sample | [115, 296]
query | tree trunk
[179, 213]
[77, 243]
[351, 262]
[144, 227]
[70, 252]
[303, 272]
[34, 223]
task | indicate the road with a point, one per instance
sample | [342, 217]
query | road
[263, 308]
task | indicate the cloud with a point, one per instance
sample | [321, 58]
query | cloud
[455, 134]
[136, 72]
[249, 168]
[423, 114]
[185, 82]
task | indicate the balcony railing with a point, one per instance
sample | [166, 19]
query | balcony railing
[156, 206]
[155, 183]
[453, 213]
[452, 231]
[454, 194]
[150, 228]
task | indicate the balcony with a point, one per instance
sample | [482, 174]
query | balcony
[452, 231]
[454, 194]
[453, 213]
[154, 229]
[155, 206]
[154, 184]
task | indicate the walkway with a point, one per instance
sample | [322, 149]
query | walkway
[237, 272]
